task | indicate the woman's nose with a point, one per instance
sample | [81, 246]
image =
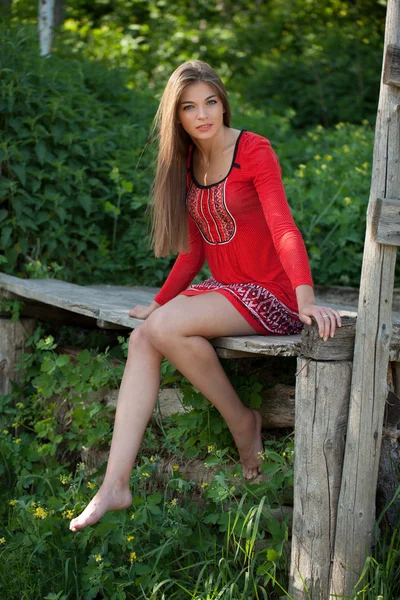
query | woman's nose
[202, 112]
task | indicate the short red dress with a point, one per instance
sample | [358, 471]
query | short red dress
[243, 226]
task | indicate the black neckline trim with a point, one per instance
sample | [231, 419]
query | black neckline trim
[233, 164]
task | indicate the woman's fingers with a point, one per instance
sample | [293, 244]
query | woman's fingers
[139, 312]
[327, 319]
[331, 319]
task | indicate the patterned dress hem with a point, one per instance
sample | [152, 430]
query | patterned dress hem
[261, 309]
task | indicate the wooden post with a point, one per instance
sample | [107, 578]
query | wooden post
[356, 508]
[12, 344]
[322, 399]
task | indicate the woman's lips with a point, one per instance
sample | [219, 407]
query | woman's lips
[204, 127]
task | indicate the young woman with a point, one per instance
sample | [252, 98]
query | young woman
[220, 189]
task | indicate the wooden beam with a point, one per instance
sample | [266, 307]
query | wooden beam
[356, 506]
[321, 419]
[391, 69]
[388, 226]
[340, 347]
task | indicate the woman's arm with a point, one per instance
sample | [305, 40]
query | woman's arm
[181, 275]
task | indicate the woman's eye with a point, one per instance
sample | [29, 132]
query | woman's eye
[212, 102]
[187, 106]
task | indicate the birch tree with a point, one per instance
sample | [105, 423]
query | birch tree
[46, 26]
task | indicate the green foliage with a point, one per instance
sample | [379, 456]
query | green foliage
[73, 175]
[276, 54]
[228, 540]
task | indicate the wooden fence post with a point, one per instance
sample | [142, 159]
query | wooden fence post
[356, 508]
[322, 403]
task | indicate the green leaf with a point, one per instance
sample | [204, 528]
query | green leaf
[40, 150]
[272, 555]
[6, 236]
[3, 215]
[86, 202]
[20, 171]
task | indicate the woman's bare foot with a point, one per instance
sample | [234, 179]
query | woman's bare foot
[107, 498]
[249, 444]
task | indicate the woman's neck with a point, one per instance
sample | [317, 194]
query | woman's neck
[209, 149]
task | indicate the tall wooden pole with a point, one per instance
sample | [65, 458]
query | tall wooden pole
[356, 508]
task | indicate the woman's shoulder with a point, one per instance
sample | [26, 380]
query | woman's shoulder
[253, 142]
[256, 148]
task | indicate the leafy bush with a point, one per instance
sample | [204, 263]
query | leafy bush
[74, 182]
[177, 535]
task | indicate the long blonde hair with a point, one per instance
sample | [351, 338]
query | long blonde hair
[169, 231]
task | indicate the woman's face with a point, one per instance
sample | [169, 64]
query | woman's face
[200, 111]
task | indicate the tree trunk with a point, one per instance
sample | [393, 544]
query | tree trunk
[58, 12]
[46, 26]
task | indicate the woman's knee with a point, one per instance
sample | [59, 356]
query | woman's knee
[138, 337]
[159, 327]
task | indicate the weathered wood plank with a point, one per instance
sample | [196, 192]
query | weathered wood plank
[356, 507]
[321, 421]
[388, 231]
[50, 299]
[340, 347]
[391, 68]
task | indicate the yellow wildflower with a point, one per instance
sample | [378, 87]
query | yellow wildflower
[302, 166]
[65, 479]
[98, 557]
[204, 485]
[152, 459]
[365, 165]
[145, 474]
[2, 540]
[210, 448]
[347, 200]
[69, 514]
[328, 157]
[132, 515]
[346, 149]
[174, 502]
[15, 424]
[40, 513]
[318, 171]
[319, 127]
[132, 556]
[300, 174]
[5, 431]
[323, 167]
[176, 467]
[91, 485]
[17, 441]
[317, 157]
[13, 502]
[129, 538]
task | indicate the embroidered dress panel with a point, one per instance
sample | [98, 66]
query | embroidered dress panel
[208, 209]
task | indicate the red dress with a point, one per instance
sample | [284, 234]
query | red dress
[243, 227]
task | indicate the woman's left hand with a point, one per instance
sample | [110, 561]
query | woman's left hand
[327, 318]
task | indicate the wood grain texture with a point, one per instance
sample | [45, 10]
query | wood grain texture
[388, 227]
[322, 398]
[356, 507]
[12, 343]
[391, 68]
[340, 347]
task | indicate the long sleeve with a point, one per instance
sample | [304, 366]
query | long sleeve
[287, 239]
[185, 267]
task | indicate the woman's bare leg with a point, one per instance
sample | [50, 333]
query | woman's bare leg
[136, 400]
[179, 330]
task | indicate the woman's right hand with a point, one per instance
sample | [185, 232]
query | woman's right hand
[142, 312]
